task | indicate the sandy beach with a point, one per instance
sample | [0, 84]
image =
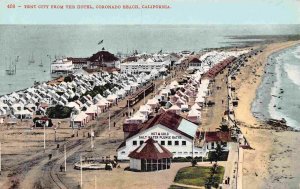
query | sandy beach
[273, 161]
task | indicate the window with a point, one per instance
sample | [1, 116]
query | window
[170, 143]
[183, 143]
[176, 143]
[196, 152]
[224, 144]
[213, 145]
[123, 152]
[185, 152]
[134, 143]
[141, 142]
[162, 142]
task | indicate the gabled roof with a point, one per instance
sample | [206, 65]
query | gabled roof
[150, 150]
[169, 120]
[195, 60]
[103, 55]
[216, 136]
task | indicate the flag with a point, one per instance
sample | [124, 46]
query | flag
[100, 42]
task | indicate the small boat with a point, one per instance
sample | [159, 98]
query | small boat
[41, 64]
[12, 68]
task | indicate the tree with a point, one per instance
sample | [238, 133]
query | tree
[223, 127]
[212, 156]
[35, 119]
[50, 124]
[218, 151]
[67, 79]
[194, 162]
[213, 169]
[59, 112]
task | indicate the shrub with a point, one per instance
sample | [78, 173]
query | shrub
[67, 79]
[59, 112]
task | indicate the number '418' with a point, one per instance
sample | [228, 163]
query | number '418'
[11, 6]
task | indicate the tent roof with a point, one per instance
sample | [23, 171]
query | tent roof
[150, 150]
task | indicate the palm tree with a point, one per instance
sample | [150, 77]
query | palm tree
[224, 127]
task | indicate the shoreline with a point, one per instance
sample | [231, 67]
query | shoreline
[264, 105]
[259, 164]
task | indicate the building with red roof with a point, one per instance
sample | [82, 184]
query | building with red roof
[150, 156]
[170, 130]
[103, 58]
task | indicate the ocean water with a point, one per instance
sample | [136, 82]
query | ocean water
[279, 92]
[82, 41]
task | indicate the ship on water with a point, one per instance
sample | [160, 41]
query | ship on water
[12, 67]
[61, 67]
[41, 64]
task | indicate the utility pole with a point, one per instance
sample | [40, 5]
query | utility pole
[0, 158]
[144, 96]
[128, 106]
[80, 171]
[92, 135]
[46, 124]
[54, 134]
[109, 120]
[65, 150]
[95, 178]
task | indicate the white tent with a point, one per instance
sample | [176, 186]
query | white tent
[175, 109]
[196, 107]
[23, 114]
[194, 116]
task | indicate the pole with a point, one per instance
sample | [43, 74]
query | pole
[44, 137]
[73, 131]
[0, 158]
[65, 158]
[109, 120]
[95, 182]
[203, 143]
[92, 144]
[144, 96]
[55, 134]
[128, 106]
[80, 171]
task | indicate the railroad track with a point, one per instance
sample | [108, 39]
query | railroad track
[81, 143]
[72, 148]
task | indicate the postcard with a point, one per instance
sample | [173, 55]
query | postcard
[149, 94]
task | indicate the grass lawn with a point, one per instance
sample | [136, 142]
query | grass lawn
[197, 176]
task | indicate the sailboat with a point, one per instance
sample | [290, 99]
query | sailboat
[12, 68]
[41, 64]
[31, 59]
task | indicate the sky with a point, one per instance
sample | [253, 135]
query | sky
[181, 12]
